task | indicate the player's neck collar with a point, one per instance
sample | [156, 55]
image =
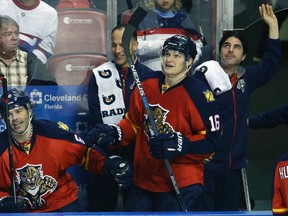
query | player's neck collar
[26, 6]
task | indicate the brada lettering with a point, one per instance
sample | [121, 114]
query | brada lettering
[113, 112]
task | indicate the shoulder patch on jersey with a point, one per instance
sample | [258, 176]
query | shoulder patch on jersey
[209, 96]
[63, 126]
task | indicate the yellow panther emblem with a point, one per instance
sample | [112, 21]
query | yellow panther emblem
[63, 126]
[209, 96]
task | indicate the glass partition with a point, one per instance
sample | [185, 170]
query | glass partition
[85, 33]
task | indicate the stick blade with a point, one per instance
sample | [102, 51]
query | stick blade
[131, 27]
[137, 17]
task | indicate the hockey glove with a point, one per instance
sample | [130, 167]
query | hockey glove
[103, 135]
[7, 204]
[170, 145]
[120, 169]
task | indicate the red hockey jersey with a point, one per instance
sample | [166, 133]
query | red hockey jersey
[41, 176]
[280, 187]
[189, 108]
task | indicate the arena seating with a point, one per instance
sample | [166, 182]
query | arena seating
[74, 68]
[125, 16]
[81, 30]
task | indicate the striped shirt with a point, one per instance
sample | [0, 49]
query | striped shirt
[16, 71]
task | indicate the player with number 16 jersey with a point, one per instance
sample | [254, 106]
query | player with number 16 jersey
[188, 130]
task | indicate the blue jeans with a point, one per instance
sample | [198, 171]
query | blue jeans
[143, 200]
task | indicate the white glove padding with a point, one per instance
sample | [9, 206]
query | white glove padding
[216, 77]
[169, 145]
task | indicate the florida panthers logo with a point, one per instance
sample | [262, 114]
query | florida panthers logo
[159, 115]
[209, 96]
[105, 73]
[241, 85]
[33, 185]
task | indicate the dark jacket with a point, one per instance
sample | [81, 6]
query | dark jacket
[270, 119]
[234, 108]
[38, 73]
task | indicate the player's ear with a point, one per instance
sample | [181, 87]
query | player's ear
[243, 57]
[30, 113]
[190, 61]
[134, 44]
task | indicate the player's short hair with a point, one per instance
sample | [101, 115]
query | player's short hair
[122, 27]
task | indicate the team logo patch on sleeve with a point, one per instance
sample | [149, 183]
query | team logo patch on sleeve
[63, 126]
[209, 96]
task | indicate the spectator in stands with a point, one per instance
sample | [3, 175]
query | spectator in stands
[163, 20]
[109, 93]
[20, 67]
[38, 24]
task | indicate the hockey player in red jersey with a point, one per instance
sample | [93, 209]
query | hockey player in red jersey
[188, 123]
[280, 187]
[42, 152]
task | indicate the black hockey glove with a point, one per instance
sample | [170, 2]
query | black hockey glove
[7, 204]
[120, 169]
[103, 135]
[170, 145]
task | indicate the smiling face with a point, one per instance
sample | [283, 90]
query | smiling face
[232, 52]
[19, 119]
[118, 50]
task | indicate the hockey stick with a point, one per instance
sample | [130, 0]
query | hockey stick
[246, 189]
[131, 27]
[7, 122]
